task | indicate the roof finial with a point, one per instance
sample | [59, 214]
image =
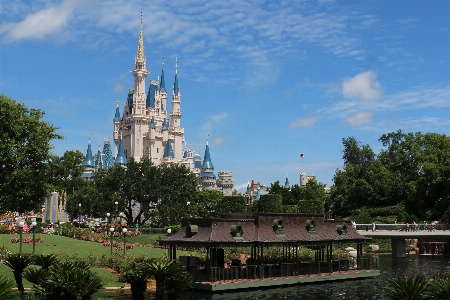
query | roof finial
[207, 137]
[176, 65]
[117, 102]
[163, 63]
[140, 53]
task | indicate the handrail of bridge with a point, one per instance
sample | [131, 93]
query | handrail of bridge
[404, 227]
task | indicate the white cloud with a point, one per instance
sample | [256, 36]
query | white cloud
[39, 24]
[218, 141]
[360, 118]
[304, 122]
[362, 87]
[220, 116]
[213, 120]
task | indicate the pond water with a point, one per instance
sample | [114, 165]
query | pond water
[364, 289]
[428, 266]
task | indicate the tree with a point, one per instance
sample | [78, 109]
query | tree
[205, 203]
[24, 153]
[284, 192]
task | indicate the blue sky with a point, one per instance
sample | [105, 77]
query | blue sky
[267, 79]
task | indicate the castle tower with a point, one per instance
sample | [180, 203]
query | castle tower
[121, 159]
[225, 183]
[108, 160]
[88, 164]
[286, 183]
[207, 177]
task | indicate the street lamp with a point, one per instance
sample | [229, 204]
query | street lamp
[111, 230]
[20, 231]
[189, 208]
[107, 218]
[34, 235]
[169, 231]
[117, 211]
[79, 214]
[124, 245]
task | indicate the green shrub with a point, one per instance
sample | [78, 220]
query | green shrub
[311, 206]
[232, 204]
[406, 288]
[291, 209]
[270, 203]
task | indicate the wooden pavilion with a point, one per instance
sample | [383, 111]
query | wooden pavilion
[258, 232]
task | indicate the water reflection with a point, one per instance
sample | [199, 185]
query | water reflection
[356, 289]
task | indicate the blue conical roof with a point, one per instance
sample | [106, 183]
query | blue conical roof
[121, 159]
[168, 152]
[165, 126]
[197, 161]
[150, 100]
[89, 161]
[162, 83]
[152, 123]
[98, 158]
[286, 184]
[117, 115]
[175, 83]
[207, 164]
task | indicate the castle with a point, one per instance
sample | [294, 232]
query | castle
[146, 129]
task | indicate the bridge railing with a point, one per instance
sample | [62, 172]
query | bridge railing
[404, 227]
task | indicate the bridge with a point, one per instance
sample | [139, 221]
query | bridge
[398, 233]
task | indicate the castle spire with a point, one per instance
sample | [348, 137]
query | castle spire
[121, 159]
[117, 115]
[162, 83]
[140, 52]
[175, 84]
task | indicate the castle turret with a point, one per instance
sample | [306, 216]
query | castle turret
[286, 183]
[121, 158]
[108, 160]
[88, 164]
[207, 177]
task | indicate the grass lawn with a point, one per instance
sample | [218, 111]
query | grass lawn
[83, 249]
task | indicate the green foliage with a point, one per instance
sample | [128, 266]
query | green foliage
[18, 262]
[412, 171]
[136, 277]
[438, 288]
[284, 192]
[292, 209]
[311, 206]
[270, 203]
[205, 204]
[24, 151]
[161, 191]
[409, 288]
[232, 204]
[6, 287]
[339, 254]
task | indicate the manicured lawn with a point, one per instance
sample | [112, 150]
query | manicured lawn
[83, 249]
[61, 244]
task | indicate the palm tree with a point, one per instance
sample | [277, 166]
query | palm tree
[158, 269]
[136, 278]
[6, 286]
[409, 288]
[18, 263]
[177, 281]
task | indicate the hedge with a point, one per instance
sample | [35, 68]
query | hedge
[270, 203]
[232, 204]
[291, 209]
[310, 206]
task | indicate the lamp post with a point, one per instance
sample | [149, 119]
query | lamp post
[34, 235]
[20, 232]
[121, 216]
[79, 214]
[107, 218]
[169, 231]
[189, 208]
[111, 230]
[124, 245]
[117, 211]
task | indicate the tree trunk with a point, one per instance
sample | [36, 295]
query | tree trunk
[159, 289]
[138, 289]
[18, 278]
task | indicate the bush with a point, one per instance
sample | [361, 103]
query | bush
[232, 204]
[291, 209]
[270, 203]
[311, 206]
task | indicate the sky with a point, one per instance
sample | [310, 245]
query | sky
[268, 80]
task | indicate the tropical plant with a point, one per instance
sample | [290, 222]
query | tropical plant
[179, 280]
[6, 286]
[340, 254]
[136, 277]
[45, 261]
[409, 288]
[439, 288]
[18, 263]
